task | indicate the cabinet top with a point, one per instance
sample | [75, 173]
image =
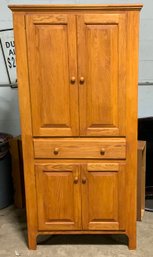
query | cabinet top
[49, 7]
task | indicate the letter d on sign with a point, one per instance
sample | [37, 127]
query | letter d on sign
[7, 44]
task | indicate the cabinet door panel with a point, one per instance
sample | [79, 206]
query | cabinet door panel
[51, 43]
[58, 196]
[103, 196]
[102, 64]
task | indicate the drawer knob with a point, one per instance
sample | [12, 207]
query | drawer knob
[56, 150]
[102, 151]
[76, 180]
[84, 180]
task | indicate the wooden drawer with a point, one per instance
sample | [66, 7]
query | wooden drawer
[80, 148]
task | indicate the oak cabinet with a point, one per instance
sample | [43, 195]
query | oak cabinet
[73, 91]
[77, 69]
[80, 196]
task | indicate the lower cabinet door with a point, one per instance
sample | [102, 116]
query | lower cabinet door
[103, 196]
[58, 196]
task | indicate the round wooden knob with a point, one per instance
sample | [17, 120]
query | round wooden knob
[76, 180]
[84, 180]
[56, 150]
[73, 80]
[102, 151]
[81, 80]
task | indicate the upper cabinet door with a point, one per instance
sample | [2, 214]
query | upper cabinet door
[51, 47]
[102, 74]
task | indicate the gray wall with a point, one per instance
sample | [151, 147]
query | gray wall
[9, 115]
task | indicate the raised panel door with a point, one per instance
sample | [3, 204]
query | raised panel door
[51, 47]
[103, 196]
[102, 74]
[58, 196]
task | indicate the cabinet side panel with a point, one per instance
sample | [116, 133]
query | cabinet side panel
[25, 117]
[131, 124]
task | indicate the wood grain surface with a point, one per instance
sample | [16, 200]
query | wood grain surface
[77, 69]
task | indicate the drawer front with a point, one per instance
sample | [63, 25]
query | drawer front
[80, 148]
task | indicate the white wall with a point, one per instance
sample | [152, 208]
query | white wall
[146, 60]
[9, 116]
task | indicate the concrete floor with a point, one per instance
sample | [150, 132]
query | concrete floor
[13, 240]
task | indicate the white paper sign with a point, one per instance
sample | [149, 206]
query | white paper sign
[8, 50]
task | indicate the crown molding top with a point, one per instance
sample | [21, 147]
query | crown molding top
[50, 7]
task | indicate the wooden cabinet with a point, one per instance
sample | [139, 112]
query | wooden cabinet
[80, 196]
[77, 69]
[72, 42]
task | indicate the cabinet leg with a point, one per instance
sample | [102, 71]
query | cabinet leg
[132, 242]
[32, 241]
